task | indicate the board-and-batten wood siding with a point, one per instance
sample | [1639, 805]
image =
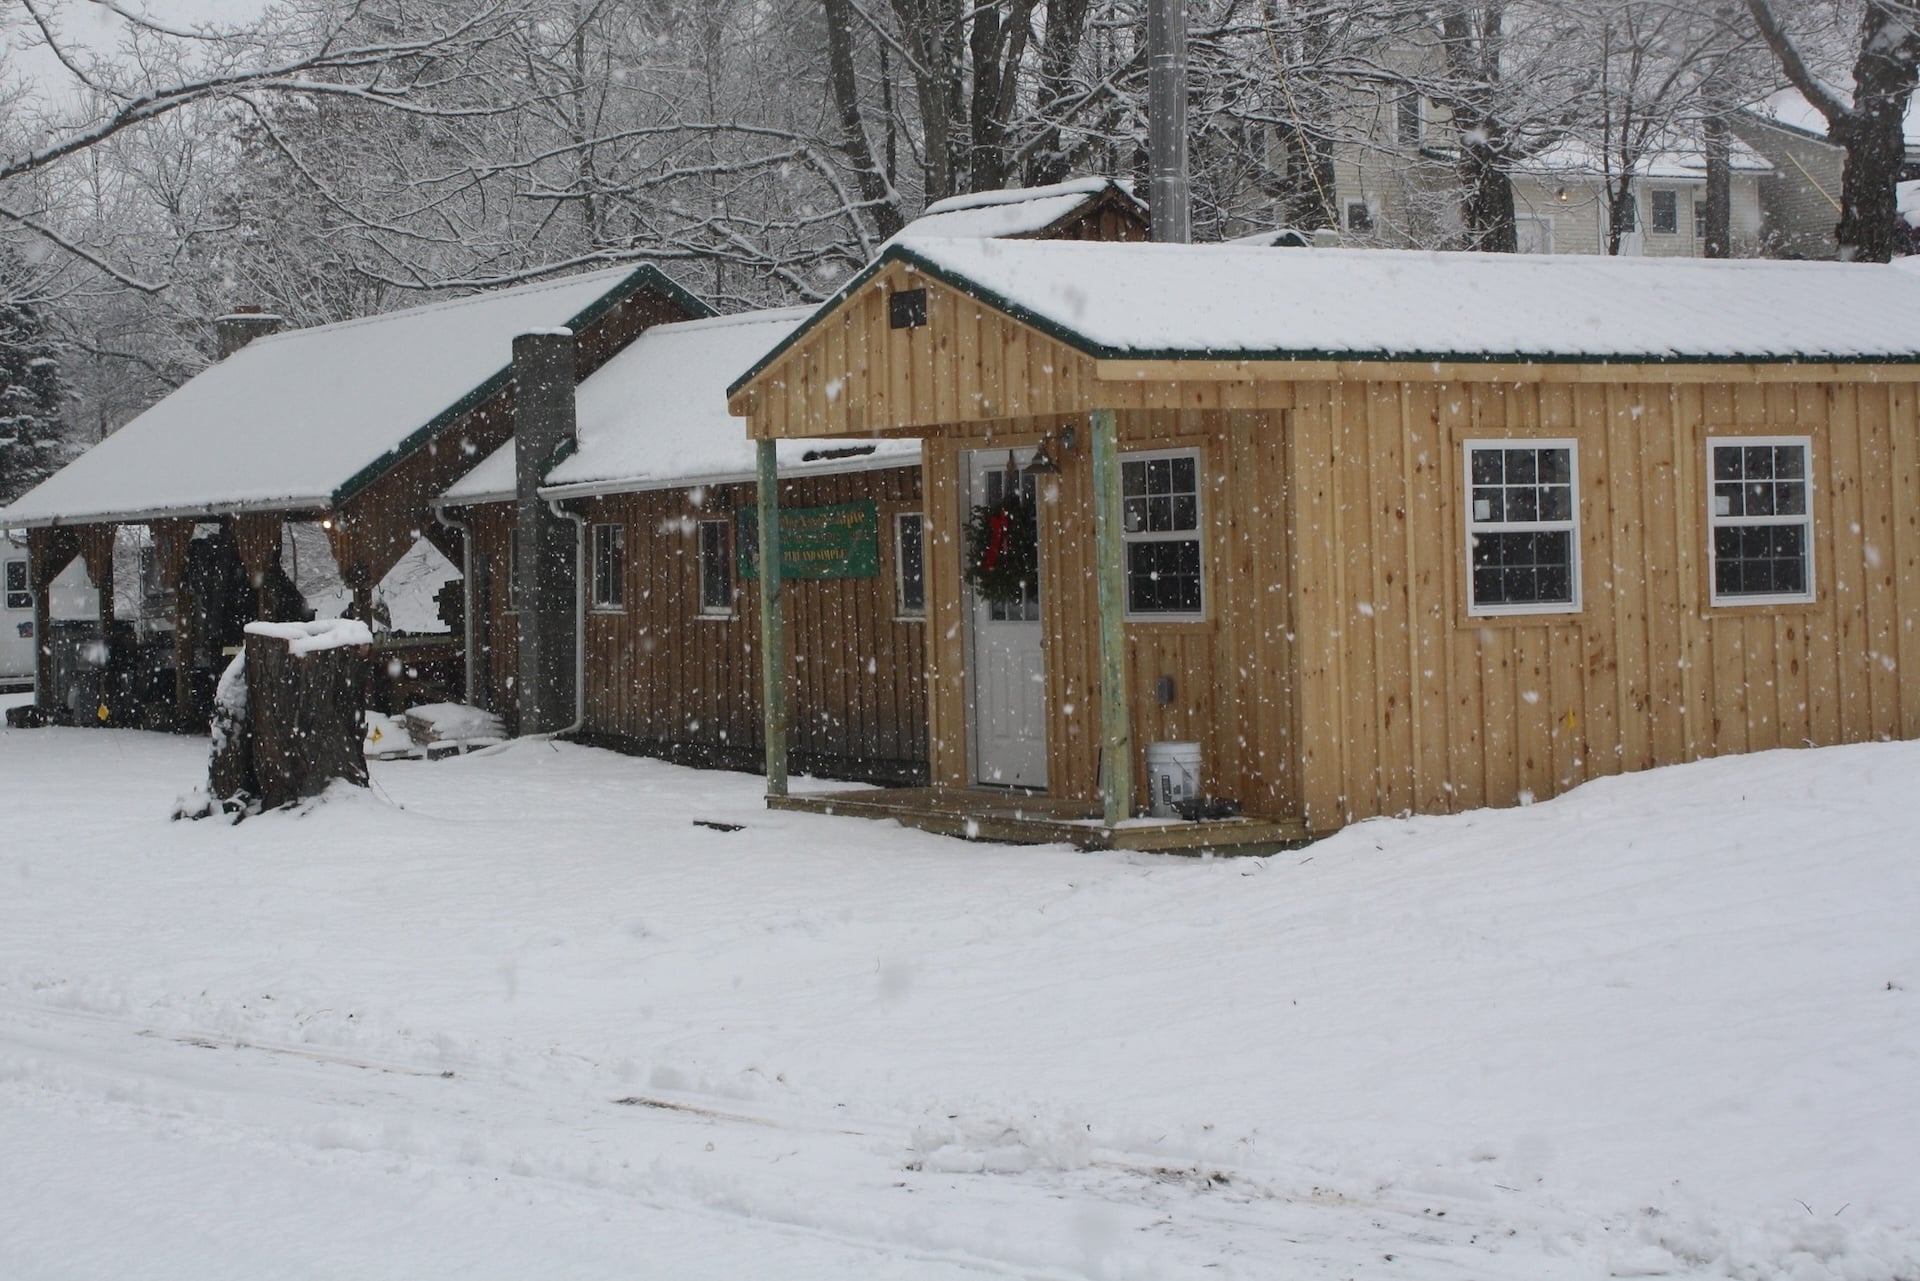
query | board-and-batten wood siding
[856, 375]
[666, 680]
[1406, 703]
[1338, 675]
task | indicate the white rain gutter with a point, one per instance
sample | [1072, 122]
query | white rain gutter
[788, 471]
[465, 530]
[580, 578]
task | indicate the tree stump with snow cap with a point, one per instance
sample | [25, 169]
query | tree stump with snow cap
[291, 714]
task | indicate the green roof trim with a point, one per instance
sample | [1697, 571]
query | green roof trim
[644, 278]
[1101, 351]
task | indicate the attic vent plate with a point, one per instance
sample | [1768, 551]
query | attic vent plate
[907, 308]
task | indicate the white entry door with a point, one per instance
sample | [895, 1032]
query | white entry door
[1009, 670]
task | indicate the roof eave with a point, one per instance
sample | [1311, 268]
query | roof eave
[141, 516]
[612, 488]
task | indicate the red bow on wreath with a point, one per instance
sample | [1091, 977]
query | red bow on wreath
[998, 526]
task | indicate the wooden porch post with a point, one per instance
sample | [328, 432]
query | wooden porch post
[48, 552]
[171, 541]
[773, 624]
[257, 535]
[1116, 730]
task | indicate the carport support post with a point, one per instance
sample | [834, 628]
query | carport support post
[773, 624]
[1116, 731]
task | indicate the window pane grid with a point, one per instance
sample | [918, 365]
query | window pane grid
[1160, 525]
[911, 595]
[609, 566]
[1523, 545]
[716, 568]
[18, 597]
[1760, 512]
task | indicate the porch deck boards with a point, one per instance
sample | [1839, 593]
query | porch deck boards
[1017, 818]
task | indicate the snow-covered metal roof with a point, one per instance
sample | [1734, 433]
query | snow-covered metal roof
[1673, 160]
[655, 417]
[1152, 301]
[305, 419]
[1016, 211]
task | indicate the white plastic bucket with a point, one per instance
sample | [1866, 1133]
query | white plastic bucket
[1173, 774]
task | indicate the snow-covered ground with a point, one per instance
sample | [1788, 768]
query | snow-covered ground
[517, 1015]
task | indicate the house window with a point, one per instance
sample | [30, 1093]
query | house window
[1699, 218]
[1664, 212]
[1359, 216]
[1407, 116]
[513, 571]
[1160, 526]
[1523, 532]
[909, 565]
[18, 597]
[1761, 518]
[609, 566]
[1630, 214]
[716, 568]
[1534, 234]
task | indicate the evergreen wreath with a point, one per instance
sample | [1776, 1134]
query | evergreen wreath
[1003, 548]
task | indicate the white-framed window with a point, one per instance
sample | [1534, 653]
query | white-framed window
[1160, 527]
[18, 596]
[1407, 119]
[1523, 527]
[1360, 217]
[910, 565]
[609, 567]
[1663, 212]
[1760, 516]
[716, 568]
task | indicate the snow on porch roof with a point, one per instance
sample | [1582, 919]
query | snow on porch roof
[655, 417]
[1229, 302]
[308, 418]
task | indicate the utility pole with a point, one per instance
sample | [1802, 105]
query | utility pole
[1170, 198]
[1718, 99]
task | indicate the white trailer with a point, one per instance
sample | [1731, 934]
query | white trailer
[16, 613]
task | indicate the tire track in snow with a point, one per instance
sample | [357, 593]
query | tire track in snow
[855, 1184]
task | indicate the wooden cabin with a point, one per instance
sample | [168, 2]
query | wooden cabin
[1094, 208]
[1383, 532]
[355, 427]
[664, 486]
[663, 482]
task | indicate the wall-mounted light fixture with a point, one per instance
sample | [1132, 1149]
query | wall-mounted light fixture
[1046, 461]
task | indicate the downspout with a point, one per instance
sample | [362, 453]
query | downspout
[465, 530]
[580, 579]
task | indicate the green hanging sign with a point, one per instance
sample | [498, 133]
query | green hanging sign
[842, 541]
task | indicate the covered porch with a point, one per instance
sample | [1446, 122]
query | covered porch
[1043, 711]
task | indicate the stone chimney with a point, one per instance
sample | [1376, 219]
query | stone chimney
[242, 325]
[546, 546]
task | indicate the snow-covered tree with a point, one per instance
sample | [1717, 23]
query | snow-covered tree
[33, 394]
[1814, 40]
